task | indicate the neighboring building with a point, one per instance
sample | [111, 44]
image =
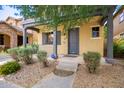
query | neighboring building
[11, 33]
[86, 37]
[118, 22]
[14, 22]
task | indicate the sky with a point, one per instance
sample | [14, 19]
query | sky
[8, 11]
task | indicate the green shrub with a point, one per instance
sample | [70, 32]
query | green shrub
[42, 56]
[118, 48]
[35, 48]
[13, 53]
[25, 54]
[92, 61]
[9, 68]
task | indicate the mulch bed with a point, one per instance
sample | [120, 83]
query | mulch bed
[108, 77]
[30, 74]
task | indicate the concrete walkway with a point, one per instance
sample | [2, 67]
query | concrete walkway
[4, 59]
[6, 84]
[54, 81]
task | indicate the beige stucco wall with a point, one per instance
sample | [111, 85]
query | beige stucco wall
[32, 36]
[35, 37]
[117, 26]
[86, 42]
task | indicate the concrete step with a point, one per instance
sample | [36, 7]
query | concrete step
[67, 66]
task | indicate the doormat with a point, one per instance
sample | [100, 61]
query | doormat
[71, 55]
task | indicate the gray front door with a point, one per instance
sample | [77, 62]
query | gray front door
[73, 41]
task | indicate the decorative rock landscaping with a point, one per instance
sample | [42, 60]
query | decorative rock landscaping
[108, 77]
[30, 74]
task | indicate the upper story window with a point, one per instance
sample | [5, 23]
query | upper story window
[1, 39]
[95, 32]
[47, 38]
[121, 17]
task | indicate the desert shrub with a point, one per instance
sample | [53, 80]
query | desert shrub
[42, 56]
[92, 61]
[118, 48]
[13, 53]
[25, 54]
[9, 68]
[35, 48]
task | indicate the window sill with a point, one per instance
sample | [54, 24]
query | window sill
[96, 38]
[50, 44]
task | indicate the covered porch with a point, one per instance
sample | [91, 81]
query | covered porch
[108, 18]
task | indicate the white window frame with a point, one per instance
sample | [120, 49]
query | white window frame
[91, 32]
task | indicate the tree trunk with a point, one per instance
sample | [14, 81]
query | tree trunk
[55, 42]
[110, 33]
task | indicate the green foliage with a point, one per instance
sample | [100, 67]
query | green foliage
[35, 48]
[118, 48]
[9, 68]
[25, 54]
[92, 61]
[42, 56]
[13, 53]
[67, 15]
[105, 32]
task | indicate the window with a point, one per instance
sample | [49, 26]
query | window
[1, 39]
[122, 35]
[121, 17]
[47, 38]
[95, 32]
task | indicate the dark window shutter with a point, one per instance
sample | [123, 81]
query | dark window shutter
[59, 37]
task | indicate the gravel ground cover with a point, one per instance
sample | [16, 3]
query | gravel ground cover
[30, 74]
[108, 77]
